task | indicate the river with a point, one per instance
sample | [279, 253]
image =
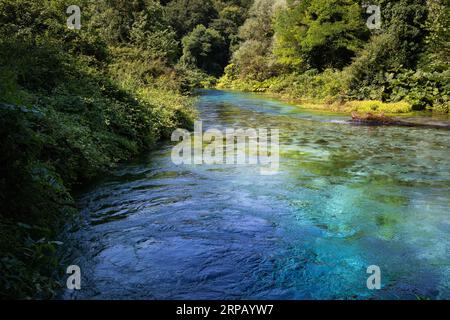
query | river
[345, 198]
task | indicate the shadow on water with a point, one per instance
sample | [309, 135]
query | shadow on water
[345, 198]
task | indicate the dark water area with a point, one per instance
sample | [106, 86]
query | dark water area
[345, 197]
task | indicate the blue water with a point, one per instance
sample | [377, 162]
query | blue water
[346, 197]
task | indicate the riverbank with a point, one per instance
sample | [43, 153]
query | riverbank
[401, 111]
[332, 90]
[72, 107]
[47, 154]
[331, 104]
[316, 102]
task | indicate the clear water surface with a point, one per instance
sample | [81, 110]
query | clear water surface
[346, 197]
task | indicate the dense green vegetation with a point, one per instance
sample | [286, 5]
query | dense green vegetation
[322, 51]
[73, 103]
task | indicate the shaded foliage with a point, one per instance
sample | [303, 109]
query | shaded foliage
[72, 105]
[204, 48]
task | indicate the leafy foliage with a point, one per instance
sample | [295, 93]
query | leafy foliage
[319, 34]
[72, 105]
[322, 50]
[186, 15]
[253, 60]
[204, 49]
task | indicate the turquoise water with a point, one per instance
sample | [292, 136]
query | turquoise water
[346, 197]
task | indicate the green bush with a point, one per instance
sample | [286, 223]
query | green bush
[423, 90]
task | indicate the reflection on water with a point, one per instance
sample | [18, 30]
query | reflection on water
[346, 197]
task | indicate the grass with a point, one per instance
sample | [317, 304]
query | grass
[372, 106]
[378, 106]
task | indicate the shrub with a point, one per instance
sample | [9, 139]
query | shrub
[423, 90]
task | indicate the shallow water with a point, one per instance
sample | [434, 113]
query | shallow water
[346, 197]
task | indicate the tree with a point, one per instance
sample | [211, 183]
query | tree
[437, 41]
[114, 19]
[204, 48]
[396, 47]
[152, 31]
[185, 15]
[141, 23]
[228, 23]
[404, 20]
[259, 25]
[319, 34]
[253, 59]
